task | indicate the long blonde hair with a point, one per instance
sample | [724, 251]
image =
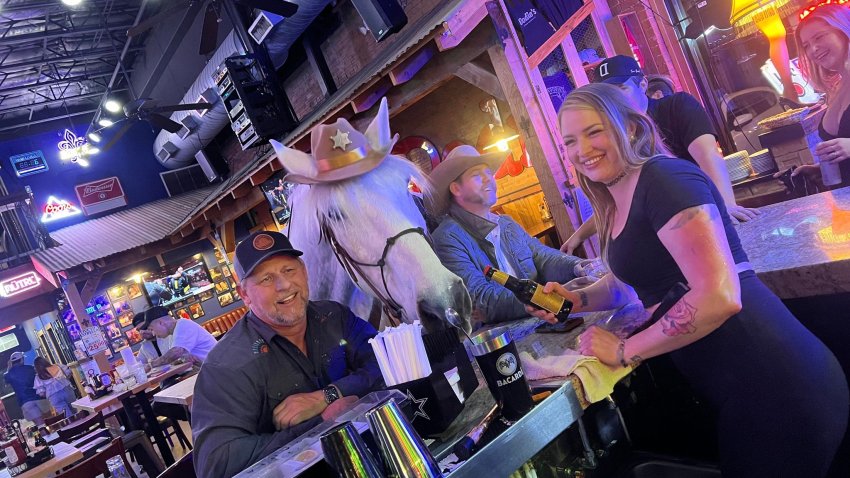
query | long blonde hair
[838, 17]
[634, 135]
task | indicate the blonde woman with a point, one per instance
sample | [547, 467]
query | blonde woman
[822, 40]
[780, 396]
[51, 381]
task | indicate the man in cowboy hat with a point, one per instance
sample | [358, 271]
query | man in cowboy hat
[286, 365]
[471, 237]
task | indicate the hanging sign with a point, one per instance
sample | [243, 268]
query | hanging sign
[26, 164]
[93, 340]
[74, 148]
[58, 209]
[19, 284]
[101, 195]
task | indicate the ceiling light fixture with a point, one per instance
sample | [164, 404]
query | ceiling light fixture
[112, 106]
[72, 3]
[94, 137]
[105, 122]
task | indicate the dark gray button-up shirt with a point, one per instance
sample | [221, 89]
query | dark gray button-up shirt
[252, 369]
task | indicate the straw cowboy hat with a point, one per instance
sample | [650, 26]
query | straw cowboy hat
[456, 163]
[339, 151]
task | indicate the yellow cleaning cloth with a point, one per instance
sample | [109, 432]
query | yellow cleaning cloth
[597, 378]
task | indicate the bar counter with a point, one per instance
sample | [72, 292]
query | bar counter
[801, 248]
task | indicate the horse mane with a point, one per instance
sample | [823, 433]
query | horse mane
[332, 203]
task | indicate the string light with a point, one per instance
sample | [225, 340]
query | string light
[809, 10]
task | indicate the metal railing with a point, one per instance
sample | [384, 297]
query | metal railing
[21, 233]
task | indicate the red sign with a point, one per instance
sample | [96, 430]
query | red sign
[19, 284]
[101, 195]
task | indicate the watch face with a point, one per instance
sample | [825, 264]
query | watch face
[331, 394]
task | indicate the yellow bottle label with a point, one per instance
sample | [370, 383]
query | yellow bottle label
[550, 302]
[500, 277]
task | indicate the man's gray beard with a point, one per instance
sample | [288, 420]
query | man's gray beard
[284, 321]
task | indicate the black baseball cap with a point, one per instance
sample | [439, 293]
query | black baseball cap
[617, 70]
[144, 318]
[258, 247]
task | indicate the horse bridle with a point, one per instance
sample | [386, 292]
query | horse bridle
[354, 268]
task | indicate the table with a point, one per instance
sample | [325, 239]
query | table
[111, 402]
[801, 248]
[180, 393]
[65, 455]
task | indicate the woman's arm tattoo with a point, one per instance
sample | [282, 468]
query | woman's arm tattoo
[680, 319]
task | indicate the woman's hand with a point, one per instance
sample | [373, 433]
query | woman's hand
[552, 287]
[573, 243]
[834, 150]
[599, 343]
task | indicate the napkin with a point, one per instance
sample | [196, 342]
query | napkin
[597, 379]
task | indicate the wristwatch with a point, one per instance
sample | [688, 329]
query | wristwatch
[331, 394]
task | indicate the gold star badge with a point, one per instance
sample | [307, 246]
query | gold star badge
[340, 140]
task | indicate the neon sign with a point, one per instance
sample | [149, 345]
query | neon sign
[74, 148]
[58, 209]
[19, 284]
[808, 11]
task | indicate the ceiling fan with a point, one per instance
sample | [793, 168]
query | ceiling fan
[149, 110]
[212, 17]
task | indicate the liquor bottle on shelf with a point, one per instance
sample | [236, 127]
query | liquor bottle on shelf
[531, 293]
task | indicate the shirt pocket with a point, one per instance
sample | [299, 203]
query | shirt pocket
[277, 392]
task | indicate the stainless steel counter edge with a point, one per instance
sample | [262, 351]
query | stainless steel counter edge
[525, 438]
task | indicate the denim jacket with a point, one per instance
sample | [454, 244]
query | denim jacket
[461, 245]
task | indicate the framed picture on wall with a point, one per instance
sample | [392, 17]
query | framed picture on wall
[105, 316]
[117, 292]
[196, 311]
[225, 269]
[74, 331]
[225, 299]
[97, 304]
[277, 192]
[205, 295]
[122, 306]
[119, 343]
[221, 287]
[182, 314]
[177, 305]
[215, 273]
[133, 336]
[218, 256]
[134, 291]
[235, 295]
[126, 319]
[231, 283]
[112, 331]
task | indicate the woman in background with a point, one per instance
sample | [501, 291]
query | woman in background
[779, 394]
[822, 39]
[51, 381]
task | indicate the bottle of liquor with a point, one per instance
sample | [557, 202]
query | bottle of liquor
[531, 293]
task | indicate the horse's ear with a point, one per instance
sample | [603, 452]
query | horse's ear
[295, 161]
[378, 133]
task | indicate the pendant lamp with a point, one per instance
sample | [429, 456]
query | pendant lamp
[749, 16]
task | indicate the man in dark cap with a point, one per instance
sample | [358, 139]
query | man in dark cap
[684, 125]
[152, 347]
[286, 365]
[189, 341]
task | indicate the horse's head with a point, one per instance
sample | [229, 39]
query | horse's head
[374, 219]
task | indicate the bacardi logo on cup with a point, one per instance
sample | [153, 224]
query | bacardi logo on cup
[507, 366]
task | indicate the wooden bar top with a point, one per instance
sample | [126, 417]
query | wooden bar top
[801, 248]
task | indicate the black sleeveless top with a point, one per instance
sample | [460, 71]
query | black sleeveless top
[666, 187]
[843, 132]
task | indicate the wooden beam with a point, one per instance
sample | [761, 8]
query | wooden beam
[542, 147]
[228, 237]
[261, 175]
[405, 70]
[461, 23]
[212, 213]
[264, 218]
[546, 48]
[90, 287]
[242, 190]
[78, 307]
[482, 79]
[365, 100]
[440, 69]
[235, 208]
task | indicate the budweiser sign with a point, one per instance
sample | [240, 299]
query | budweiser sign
[101, 195]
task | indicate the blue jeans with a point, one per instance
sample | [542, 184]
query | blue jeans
[61, 401]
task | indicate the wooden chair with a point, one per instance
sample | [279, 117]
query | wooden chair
[182, 468]
[80, 427]
[96, 464]
[49, 421]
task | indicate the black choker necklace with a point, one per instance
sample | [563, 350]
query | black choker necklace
[616, 180]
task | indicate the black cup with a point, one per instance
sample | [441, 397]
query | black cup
[496, 354]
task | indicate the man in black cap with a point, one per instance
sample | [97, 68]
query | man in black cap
[684, 125]
[286, 365]
[189, 341]
[151, 348]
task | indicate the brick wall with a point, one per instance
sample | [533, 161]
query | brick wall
[347, 51]
[649, 23]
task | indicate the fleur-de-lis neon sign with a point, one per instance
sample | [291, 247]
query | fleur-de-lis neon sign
[73, 147]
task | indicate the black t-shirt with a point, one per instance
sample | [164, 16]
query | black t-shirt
[680, 119]
[666, 186]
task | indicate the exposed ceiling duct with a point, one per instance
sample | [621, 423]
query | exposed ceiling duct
[174, 151]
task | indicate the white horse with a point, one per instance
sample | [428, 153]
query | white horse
[361, 214]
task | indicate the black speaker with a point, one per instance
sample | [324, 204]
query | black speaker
[212, 165]
[383, 17]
